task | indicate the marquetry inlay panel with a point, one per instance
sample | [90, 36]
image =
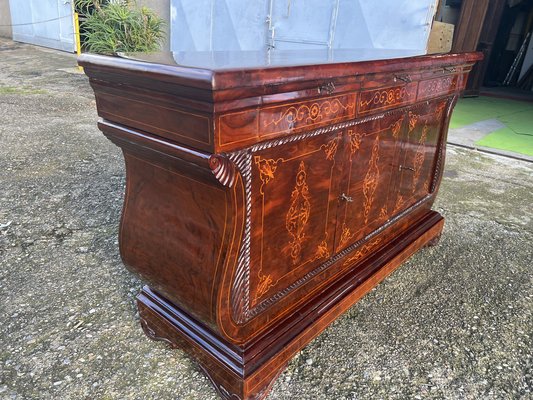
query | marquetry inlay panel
[257, 124]
[436, 87]
[293, 222]
[386, 98]
[308, 114]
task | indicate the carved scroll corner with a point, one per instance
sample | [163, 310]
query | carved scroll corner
[223, 169]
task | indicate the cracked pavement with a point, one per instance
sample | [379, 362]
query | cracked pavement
[454, 322]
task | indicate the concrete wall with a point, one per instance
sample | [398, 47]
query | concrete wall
[5, 19]
[161, 8]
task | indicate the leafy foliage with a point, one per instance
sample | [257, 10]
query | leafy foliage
[109, 27]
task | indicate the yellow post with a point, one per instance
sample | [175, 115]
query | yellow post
[77, 35]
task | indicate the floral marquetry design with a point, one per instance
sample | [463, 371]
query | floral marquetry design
[331, 147]
[322, 251]
[346, 235]
[365, 250]
[413, 119]
[382, 99]
[355, 141]
[299, 211]
[371, 180]
[434, 87]
[386, 97]
[314, 111]
[396, 127]
[399, 203]
[311, 113]
[267, 168]
[265, 283]
[383, 213]
[154, 335]
[419, 157]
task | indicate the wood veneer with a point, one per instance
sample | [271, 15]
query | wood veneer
[262, 202]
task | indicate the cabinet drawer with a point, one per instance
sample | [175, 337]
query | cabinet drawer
[250, 126]
[437, 86]
[384, 80]
[387, 98]
[155, 115]
[437, 73]
[310, 114]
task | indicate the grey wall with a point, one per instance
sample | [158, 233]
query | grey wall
[161, 8]
[5, 19]
[47, 23]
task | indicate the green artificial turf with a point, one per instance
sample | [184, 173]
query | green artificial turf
[506, 139]
[517, 116]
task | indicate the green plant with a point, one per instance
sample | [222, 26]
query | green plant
[116, 26]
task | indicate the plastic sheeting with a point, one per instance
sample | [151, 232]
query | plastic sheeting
[207, 25]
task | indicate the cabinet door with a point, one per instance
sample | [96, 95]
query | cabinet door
[419, 149]
[372, 151]
[294, 204]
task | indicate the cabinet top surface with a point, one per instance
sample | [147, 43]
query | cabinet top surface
[224, 70]
[235, 60]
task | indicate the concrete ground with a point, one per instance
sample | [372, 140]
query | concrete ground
[496, 125]
[454, 322]
[468, 135]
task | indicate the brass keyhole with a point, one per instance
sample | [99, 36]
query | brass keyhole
[346, 198]
[407, 168]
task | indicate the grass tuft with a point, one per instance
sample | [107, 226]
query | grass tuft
[110, 27]
[20, 90]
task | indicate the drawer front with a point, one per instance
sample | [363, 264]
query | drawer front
[383, 80]
[245, 127]
[306, 115]
[437, 87]
[154, 115]
[238, 128]
[387, 98]
[250, 126]
[440, 72]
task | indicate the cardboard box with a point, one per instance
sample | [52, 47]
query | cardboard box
[440, 38]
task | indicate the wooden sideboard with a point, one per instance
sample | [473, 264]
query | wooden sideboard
[267, 193]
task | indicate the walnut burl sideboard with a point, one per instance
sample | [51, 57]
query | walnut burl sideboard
[267, 192]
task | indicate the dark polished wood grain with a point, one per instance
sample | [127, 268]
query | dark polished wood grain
[262, 202]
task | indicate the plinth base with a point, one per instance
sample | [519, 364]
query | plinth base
[234, 370]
